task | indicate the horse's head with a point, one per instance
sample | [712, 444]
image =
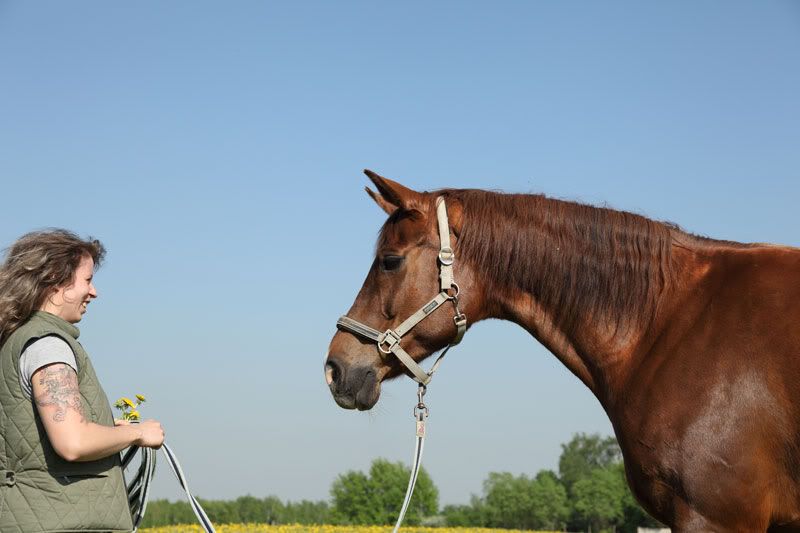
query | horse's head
[401, 287]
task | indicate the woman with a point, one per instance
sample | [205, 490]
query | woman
[59, 461]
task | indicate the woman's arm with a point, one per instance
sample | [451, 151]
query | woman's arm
[58, 399]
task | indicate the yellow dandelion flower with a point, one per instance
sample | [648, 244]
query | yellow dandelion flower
[141, 398]
[133, 415]
[129, 403]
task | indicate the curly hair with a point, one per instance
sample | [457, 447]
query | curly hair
[37, 263]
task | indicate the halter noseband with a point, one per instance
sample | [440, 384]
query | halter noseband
[389, 341]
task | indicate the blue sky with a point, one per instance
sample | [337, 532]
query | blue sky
[216, 149]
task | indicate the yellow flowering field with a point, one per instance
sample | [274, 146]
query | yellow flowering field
[263, 528]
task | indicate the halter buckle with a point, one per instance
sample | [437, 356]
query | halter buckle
[390, 338]
[446, 256]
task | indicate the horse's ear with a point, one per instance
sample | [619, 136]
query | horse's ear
[392, 194]
[383, 204]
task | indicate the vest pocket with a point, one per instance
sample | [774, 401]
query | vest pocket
[69, 479]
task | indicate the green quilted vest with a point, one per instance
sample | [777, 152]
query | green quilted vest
[40, 491]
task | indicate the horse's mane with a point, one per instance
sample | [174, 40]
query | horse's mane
[579, 261]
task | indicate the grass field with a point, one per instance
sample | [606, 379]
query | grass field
[263, 528]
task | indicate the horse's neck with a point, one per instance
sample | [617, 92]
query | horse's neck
[598, 346]
[524, 310]
[597, 364]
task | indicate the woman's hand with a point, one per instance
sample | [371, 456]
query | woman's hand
[152, 434]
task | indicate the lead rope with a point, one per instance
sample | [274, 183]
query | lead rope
[421, 411]
[420, 414]
[139, 487]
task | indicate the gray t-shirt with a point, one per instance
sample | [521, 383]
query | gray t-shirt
[42, 352]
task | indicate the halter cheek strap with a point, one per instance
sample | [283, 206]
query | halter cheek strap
[388, 342]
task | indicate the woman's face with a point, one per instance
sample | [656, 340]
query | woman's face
[70, 301]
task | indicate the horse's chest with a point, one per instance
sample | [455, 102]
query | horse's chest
[689, 438]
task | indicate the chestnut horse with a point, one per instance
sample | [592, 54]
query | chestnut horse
[692, 345]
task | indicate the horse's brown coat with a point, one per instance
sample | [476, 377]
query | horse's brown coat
[691, 345]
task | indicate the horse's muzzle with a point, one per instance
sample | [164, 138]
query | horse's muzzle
[352, 387]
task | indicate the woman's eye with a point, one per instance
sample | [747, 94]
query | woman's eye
[391, 262]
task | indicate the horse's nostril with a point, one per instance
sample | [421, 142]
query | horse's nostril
[331, 373]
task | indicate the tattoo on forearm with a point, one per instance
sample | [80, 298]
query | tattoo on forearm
[60, 389]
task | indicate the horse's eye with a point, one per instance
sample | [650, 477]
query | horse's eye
[391, 262]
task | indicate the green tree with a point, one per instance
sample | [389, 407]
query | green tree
[250, 509]
[376, 498]
[268, 510]
[273, 509]
[599, 498]
[472, 515]
[306, 512]
[219, 511]
[351, 499]
[166, 513]
[550, 508]
[584, 453]
[507, 500]
[524, 503]
[581, 456]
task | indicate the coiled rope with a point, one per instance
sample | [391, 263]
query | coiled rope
[139, 486]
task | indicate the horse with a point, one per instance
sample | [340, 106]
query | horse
[691, 344]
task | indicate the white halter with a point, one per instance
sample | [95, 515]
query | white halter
[389, 341]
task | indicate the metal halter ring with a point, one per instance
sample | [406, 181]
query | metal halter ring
[454, 296]
[446, 256]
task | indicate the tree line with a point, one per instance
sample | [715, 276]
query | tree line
[588, 493]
